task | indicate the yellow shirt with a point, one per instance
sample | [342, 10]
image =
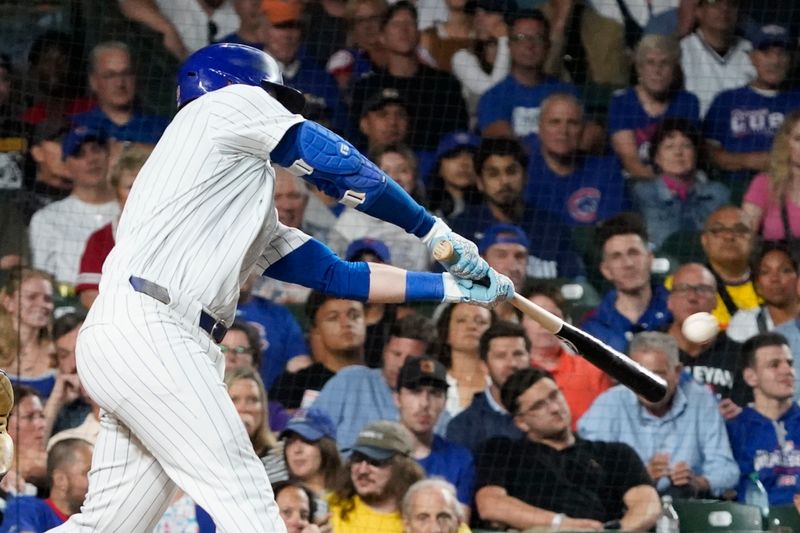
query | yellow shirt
[363, 518]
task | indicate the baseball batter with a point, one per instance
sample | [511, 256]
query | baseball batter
[199, 219]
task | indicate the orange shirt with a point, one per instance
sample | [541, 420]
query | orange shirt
[580, 382]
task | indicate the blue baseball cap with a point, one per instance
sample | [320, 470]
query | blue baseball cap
[312, 424]
[770, 35]
[502, 233]
[457, 141]
[76, 137]
[360, 246]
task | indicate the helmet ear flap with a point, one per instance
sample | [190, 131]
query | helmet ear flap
[290, 98]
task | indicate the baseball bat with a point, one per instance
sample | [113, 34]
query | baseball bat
[617, 365]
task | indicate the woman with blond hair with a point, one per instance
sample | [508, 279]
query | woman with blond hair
[249, 397]
[773, 199]
[27, 352]
[634, 113]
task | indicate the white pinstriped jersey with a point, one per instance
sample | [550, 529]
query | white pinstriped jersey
[200, 215]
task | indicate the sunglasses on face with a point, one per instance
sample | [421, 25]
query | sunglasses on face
[358, 457]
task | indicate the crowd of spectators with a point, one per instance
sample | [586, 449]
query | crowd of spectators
[625, 163]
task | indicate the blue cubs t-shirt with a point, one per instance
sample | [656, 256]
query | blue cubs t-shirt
[746, 119]
[518, 104]
[626, 113]
[594, 191]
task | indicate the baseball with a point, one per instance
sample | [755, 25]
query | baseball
[700, 327]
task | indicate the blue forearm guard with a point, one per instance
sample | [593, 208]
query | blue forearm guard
[424, 286]
[334, 166]
[315, 265]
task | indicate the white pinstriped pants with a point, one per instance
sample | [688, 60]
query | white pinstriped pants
[166, 420]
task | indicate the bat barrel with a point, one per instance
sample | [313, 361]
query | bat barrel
[619, 366]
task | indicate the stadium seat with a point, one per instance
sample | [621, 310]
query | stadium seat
[700, 516]
[786, 516]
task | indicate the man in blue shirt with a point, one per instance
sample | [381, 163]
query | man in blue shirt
[635, 303]
[68, 463]
[282, 341]
[765, 436]
[500, 164]
[504, 349]
[681, 439]
[113, 83]
[741, 123]
[511, 108]
[579, 189]
[357, 395]
[420, 398]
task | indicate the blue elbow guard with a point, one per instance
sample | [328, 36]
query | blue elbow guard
[334, 166]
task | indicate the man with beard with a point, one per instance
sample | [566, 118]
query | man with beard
[551, 477]
[635, 303]
[504, 348]
[501, 164]
[381, 471]
[68, 464]
[420, 398]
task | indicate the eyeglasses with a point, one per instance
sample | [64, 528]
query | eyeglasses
[738, 230]
[238, 350]
[535, 38]
[358, 457]
[537, 406]
[701, 290]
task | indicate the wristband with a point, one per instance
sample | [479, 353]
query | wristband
[555, 523]
[424, 286]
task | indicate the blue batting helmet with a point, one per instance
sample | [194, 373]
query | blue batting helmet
[219, 65]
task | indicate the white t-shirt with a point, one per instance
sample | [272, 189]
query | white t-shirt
[744, 323]
[191, 21]
[200, 216]
[59, 231]
[707, 73]
[641, 11]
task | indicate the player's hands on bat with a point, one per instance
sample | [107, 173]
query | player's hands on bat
[470, 264]
[460, 290]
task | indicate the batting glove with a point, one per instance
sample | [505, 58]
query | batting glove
[470, 264]
[459, 290]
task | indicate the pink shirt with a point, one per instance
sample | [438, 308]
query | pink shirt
[772, 224]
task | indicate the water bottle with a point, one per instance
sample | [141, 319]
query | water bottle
[756, 494]
[668, 519]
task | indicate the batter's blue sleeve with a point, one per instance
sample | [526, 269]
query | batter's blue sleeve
[315, 265]
[335, 166]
